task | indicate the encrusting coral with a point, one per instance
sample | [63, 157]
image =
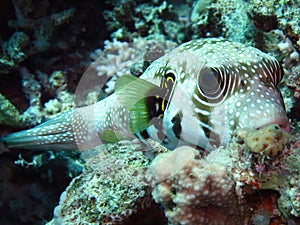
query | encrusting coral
[111, 190]
[268, 140]
[194, 190]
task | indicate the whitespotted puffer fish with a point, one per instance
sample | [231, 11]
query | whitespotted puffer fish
[198, 94]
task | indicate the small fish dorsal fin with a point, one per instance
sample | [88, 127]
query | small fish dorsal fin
[143, 100]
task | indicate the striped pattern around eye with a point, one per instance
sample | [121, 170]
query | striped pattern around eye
[272, 70]
[276, 71]
[230, 81]
[227, 83]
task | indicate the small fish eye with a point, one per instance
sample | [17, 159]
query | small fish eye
[170, 76]
[209, 81]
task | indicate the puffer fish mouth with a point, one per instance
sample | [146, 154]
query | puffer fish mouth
[282, 123]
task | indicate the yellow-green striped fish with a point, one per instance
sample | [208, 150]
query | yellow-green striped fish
[197, 94]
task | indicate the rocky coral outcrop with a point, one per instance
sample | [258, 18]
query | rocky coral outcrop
[222, 186]
[194, 190]
[269, 15]
[111, 190]
[130, 19]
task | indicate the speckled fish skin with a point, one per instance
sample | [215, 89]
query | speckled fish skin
[219, 86]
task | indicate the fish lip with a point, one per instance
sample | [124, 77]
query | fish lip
[282, 123]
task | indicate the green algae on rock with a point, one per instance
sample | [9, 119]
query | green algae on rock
[9, 114]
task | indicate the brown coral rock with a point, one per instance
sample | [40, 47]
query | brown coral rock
[269, 140]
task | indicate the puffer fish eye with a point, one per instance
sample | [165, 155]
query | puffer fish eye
[209, 83]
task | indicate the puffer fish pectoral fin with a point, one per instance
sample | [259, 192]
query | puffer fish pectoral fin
[144, 101]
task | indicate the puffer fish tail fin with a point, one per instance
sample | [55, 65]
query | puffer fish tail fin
[143, 100]
[53, 134]
[67, 131]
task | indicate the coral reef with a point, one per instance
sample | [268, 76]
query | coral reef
[281, 46]
[222, 186]
[229, 185]
[130, 19]
[288, 22]
[114, 61]
[222, 18]
[32, 91]
[18, 48]
[35, 87]
[123, 58]
[111, 190]
[268, 15]
[45, 48]
[245, 21]
[293, 82]
[40, 39]
[194, 190]
[41, 43]
[13, 51]
[263, 14]
[289, 201]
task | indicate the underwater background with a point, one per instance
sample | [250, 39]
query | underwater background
[56, 55]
